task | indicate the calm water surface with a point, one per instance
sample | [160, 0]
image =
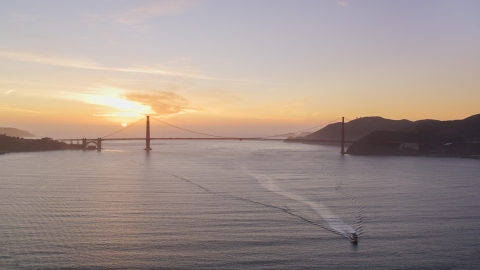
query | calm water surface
[236, 205]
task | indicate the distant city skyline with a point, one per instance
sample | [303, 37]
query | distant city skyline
[251, 66]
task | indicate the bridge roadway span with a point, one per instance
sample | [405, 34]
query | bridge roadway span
[98, 141]
[227, 138]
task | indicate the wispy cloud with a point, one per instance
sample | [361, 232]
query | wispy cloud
[141, 14]
[57, 60]
[9, 92]
[343, 3]
[45, 58]
[216, 96]
[21, 17]
[292, 104]
[14, 109]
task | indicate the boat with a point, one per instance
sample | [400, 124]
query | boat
[353, 237]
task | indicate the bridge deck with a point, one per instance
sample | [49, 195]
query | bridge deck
[250, 139]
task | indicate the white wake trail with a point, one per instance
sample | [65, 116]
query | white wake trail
[332, 220]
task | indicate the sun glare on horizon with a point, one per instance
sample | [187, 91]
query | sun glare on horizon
[124, 124]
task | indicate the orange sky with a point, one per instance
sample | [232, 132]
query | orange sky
[86, 68]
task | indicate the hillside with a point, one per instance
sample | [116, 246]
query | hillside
[354, 129]
[15, 132]
[425, 137]
[447, 131]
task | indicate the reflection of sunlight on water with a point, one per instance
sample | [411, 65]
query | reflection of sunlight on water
[125, 209]
[113, 150]
[326, 214]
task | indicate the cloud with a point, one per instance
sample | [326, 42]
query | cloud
[216, 96]
[292, 104]
[62, 61]
[143, 13]
[12, 109]
[163, 103]
[111, 98]
[343, 3]
[20, 18]
[9, 92]
[46, 59]
[126, 103]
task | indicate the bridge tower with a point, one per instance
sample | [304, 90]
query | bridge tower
[84, 143]
[147, 136]
[99, 144]
[343, 136]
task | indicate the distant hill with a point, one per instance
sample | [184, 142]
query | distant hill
[355, 129]
[305, 133]
[15, 132]
[447, 131]
[424, 137]
[301, 135]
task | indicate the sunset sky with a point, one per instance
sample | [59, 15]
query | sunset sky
[89, 66]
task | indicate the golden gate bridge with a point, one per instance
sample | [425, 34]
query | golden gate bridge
[123, 135]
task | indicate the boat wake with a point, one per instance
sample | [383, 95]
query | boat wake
[334, 222]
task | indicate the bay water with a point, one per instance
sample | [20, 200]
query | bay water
[196, 204]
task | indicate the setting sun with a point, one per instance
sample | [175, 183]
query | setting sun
[124, 124]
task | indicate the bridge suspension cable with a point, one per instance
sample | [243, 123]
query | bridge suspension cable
[226, 137]
[191, 131]
[285, 134]
[128, 126]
